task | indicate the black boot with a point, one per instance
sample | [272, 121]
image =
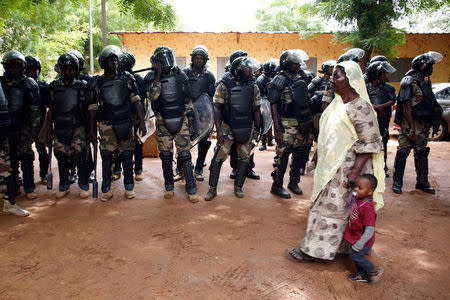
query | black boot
[303, 151]
[138, 157]
[298, 158]
[277, 186]
[107, 160]
[43, 162]
[241, 174]
[186, 163]
[166, 160]
[83, 166]
[421, 163]
[63, 170]
[214, 172]
[399, 169]
[126, 157]
[73, 169]
[28, 173]
[203, 147]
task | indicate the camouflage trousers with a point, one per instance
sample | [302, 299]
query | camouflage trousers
[77, 144]
[165, 139]
[111, 143]
[5, 164]
[20, 151]
[292, 138]
[222, 151]
[422, 130]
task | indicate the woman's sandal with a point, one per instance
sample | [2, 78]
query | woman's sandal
[298, 256]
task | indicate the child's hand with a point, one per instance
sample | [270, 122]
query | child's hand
[357, 247]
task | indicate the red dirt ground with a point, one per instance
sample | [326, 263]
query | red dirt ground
[152, 248]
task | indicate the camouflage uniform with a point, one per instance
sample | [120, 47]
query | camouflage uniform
[166, 139]
[5, 168]
[243, 150]
[110, 145]
[422, 128]
[20, 143]
[76, 148]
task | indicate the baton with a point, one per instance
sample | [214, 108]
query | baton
[49, 173]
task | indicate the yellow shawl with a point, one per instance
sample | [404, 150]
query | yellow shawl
[337, 135]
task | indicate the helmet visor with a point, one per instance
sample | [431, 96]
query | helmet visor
[358, 52]
[436, 56]
[297, 56]
[387, 67]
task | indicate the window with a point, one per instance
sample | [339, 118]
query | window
[402, 65]
[221, 63]
[312, 65]
[181, 62]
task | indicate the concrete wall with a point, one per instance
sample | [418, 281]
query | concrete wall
[263, 46]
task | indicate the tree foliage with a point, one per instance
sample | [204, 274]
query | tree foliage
[288, 15]
[48, 28]
[371, 21]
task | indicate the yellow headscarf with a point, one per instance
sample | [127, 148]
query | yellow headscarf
[337, 136]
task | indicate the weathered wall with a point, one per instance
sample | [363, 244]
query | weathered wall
[263, 46]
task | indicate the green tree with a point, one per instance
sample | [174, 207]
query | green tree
[371, 21]
[288, 15]
[48, 28]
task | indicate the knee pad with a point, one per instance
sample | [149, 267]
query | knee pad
[184, 155]
[165, 156]
[127, 154]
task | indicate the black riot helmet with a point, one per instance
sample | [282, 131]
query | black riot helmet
[127, 61]
[32, 62]
[270, 67]
[327, 67]
[293, 56]
[236, 63]
[163, 56]
[68, 59]
[79, 56]
[106, 53]
[243, 68]
[13, 55]
[354, 54]
[375, 69]
[236, 54]
[200, 50]
[424, 63]
[378, 58]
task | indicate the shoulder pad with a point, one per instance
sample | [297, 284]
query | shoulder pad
[279, 82]
[150, 76]
[128, 75]
[406, 81]
[30, 83]
[211, 77]
[389, 87]
[53, 84]
[317, 80]
[83, 84]
[183, 75]
[186, 71]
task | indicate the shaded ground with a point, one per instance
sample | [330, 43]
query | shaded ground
[150, 248]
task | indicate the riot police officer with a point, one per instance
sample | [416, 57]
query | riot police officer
[168, 89]
[33, 69]
[417, 111]
[382, 96]
[269, 71]
[201, 81]
[118, 96]
[372, 60]
[291, 112]
[236, 104]
[68, 99]
[23, 97]
[90, 80]
[126, 63]
[6, 180]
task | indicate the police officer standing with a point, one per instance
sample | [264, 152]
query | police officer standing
[126, 63]
[168, 88]
[6, 180]
[117, 94]
[33, 69]
[382, 96]
[291, 113]
[23, 97]
[237, 109]
[201, 81]
[67, 113]
[417, 111]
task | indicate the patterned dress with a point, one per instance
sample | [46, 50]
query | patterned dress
[328, 215]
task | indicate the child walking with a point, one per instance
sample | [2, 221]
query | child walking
[360, 232]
